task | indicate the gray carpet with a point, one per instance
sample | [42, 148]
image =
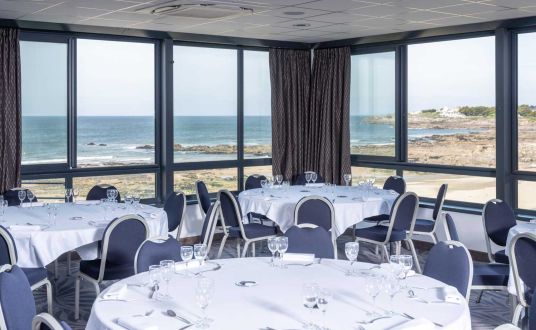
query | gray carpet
[492, 311]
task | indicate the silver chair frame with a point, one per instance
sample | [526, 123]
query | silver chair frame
[211, 227]
[183, 218]
[105, 242]
[46, 319]
[332, 215]
[433, 233]
[520, 286]
[487, 239]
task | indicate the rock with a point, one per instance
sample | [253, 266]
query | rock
[146, 147]
[102, 144]
[91, 144]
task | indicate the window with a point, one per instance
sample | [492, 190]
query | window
[215, 179]
[115, 103]
[142, 184]
[260, 170]
[205, 104]
[461, 187]
[525, 195]
[380, 174]
[526, 99]
[372, 104]
[257, 105]
[44, 102]
[451, 102]
[47, 190]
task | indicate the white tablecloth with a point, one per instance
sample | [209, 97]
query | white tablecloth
[40, 248]
[525, 227]
[277, 301]
[351, 204]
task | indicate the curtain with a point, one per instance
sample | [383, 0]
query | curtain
[290, 77]
[10, 109]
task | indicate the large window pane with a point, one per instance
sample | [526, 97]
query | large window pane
[526, 115]
[525, 195]
[380, 175]
[215, 179]
[205, 106]
[47, 190]
[265, 170]
[257, 105]
[372, 104]
[141, 184]
[116, 110]
[461, 188]
[44, 102]
[451, 102]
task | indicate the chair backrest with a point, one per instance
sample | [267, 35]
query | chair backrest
[203, 197]
[209, 225]
[396, 183]
[316, 210]
[175, 208]
[404, 212]
[154, 250]
[45, 321]
[450, 263]
[122, 238]
[17, 305]
[12, 196]
[523, 258]
[452, 232]
[440, 199]
[299, 179]
[254, 181]
[498, 217]
[315, 240]
[8, 250]
[99, 192]
[230, 210]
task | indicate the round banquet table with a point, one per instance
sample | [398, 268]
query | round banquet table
[276, 301]
[351, 204]
[78, 227]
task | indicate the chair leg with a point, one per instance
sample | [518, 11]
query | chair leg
[222, 245]
[385, 253]
[245, 251]
[415, 258]
[479, 298]
[434, 238]
[50, 308]
[77, 298]
[517, 314]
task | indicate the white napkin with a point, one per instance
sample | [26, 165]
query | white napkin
[34, 204]
[415, 324]
[137, 323]
[116, 292]
[371, 198]
[87, 202]
[26, 227]
[191, 265]
[450, 294]
[305, 258]
[318, 185]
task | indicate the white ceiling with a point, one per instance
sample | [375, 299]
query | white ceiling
[324, 19]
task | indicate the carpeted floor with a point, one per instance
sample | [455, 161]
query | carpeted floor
[493, 310]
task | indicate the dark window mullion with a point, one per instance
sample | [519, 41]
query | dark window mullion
[240, 117]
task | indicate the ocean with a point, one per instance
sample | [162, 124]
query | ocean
[129, 140]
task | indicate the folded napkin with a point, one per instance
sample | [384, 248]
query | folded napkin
[305, 258]
[318, 185]
[26, 227]
[415, 324]
[450, 294]
[192, 264]
[34, 204]
[116, 292]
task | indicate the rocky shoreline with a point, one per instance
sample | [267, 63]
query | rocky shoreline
[257, 150]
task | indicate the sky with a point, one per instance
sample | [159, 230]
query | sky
[117, 78]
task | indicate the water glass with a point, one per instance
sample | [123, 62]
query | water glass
[136, 201]
[204, 293]
[310, 295]
[324, 296]
[154, 280]
[351, 249]
[76, 193]
[308, 176]
[314, 177]
[30, 196]
[282, 246]
[187, 253]
[373, 287]
[22, 196]
[68, 195]
[273, 246]
[347, 178]
[105, 206]
[200, 252]
[278, 178]
[407, 263]
[391, 286]
[167, 268]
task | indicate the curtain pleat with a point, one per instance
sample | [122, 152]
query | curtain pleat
[10, 109]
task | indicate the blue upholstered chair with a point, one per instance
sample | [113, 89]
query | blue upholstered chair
[400, 227]
[299, 179]
[37, 277]
[234, 228]
[428, 227]
[396, 183]
[12, 196]
[99, 192]
[451, 263]
[452, 233]
[17, 305]
[307, 238]
[497, 217]
[154, 250]
[122, 238]
[254, 181]
[203, 197]
[45, 321]
[175, 208]
[522, 259]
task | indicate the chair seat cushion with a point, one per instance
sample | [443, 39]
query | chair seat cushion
[378, 233]
[501, 257]
[35, 275]
[490, 274]
[423, 225]
[252, 230]
[377, 218]
[112, 271]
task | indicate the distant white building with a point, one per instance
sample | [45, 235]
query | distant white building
[450, 113]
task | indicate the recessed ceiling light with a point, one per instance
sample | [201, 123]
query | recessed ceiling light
[294, 13]
[301, 25]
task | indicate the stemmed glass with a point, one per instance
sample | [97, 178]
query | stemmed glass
[154, 280]
[273, 246]
[30, 196]
[406, 261]
[187, 253]
[324, 295]
[282, 246]
[200, 253]
[347, 178]
[314, 177]
[167, 267]
[105, 205]
[310, 296]
[3, 206]
[351, 249]
[52, 210]
[204, 292]
[373, 287]
[264, 184]
[22, 196]
[278, 178]
[136, 201]
[308, 177]
[391, 286]
[76, 193]
[68, 195]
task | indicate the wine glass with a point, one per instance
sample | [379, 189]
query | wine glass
[264, 183]
[351, 249]
[105, 207]
[407, 263]
[187, 253]
[282, 246]
[154, 279]
[76, 193]
[308, 176]
[324, 296]
[109, 194]
[22, 196]
[54, 213]
[30, 196]
[200, 253]
[136, 201]
[272, 246]
[278, 178]
[373, 287]
[167, 267]
[347, 178]
[3, 207]
[204, 292]
[391, 286]
[115, 193]
[314, 177]
[68, 195]
[310, 296]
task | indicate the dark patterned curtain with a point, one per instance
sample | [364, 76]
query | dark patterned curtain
[10, 109]
[290, 76]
